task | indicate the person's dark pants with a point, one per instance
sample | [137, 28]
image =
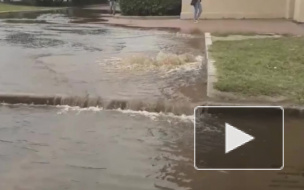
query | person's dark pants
[112, 7]
[197, 10]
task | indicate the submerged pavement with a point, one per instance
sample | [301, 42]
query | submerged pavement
[63, 53]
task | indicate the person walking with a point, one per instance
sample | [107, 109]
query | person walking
[197, 4]
[112, 6]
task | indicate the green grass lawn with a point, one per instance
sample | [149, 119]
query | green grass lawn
[7, 7]
[225, 34]
[253, 67]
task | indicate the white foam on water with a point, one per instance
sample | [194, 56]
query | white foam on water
[151, 115]
[165, 63]
[154, 115]
[65, 109]
[54, 18]
[192, 67]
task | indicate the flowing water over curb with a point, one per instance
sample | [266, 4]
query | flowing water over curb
[91, 102]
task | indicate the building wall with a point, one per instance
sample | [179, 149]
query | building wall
[299, 11]
[290, 9]
[241, 9]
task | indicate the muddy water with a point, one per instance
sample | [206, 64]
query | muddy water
[64, 53]
[72, 148]
[50, 148]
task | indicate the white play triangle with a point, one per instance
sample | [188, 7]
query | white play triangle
[235, 138]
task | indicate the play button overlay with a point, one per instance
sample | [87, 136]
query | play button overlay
[235, 138]
[239, 138]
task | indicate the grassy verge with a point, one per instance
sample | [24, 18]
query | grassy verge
[254, 67]
[224, 34]
[6, 7]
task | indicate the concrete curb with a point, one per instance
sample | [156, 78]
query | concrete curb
[35, 99]
[146, 17]
[86, 101]
[211, 69]
[212, 75]
[157, 106]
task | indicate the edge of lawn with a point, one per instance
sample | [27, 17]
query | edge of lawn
[24, 8]
[267, 78]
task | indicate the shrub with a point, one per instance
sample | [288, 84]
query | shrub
[41, 2]
[87, 2]
[48, 2]
[150, 7]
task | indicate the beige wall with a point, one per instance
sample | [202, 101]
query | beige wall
[299, 11]
[241, 9]
[290, 9]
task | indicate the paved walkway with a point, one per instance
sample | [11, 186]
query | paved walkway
[222, 26]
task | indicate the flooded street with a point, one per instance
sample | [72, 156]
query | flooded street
[51, 54]
[62, 147]
[72, 148]
[49, 148]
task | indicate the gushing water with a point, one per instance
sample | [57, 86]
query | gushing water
[162, 62]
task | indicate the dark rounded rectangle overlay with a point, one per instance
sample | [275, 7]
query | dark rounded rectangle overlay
[264, 123]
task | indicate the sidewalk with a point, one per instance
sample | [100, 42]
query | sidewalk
[276, 26]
